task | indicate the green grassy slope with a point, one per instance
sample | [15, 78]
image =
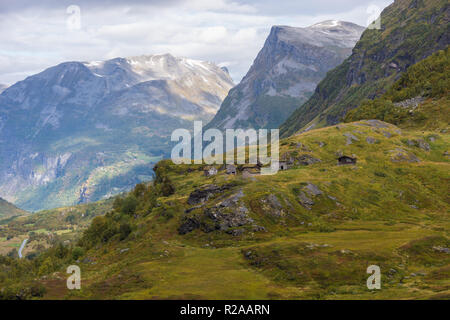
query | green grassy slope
[411, 31]
[8, 210]
[272, 237]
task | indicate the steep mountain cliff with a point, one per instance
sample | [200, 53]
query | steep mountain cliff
[81, 131]
[419, 100]
[285, 74]
[411, 30]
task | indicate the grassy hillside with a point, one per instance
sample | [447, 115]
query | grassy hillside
[411, 31]
[418, 100]
[306, 233]
[48, 227]
[8, 209]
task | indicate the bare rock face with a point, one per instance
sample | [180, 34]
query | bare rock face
[272, 206]
[313, 190]
[420, 143]
[225, 216]
[371, 140]
[303, 159]
[82, 131]
[189, 225]
[307, 194]
[203, 194]
[285, 74]
[400, 155]
[410, 104]
[305, 201]
[230, 213]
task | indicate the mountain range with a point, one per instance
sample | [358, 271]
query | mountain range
[82, 131]
[285, 74]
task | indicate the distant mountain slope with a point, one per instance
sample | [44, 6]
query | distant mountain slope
[8, 209]
[3, 87]
[285, 74]
[411, 31]
[81, 131]
[419, 100]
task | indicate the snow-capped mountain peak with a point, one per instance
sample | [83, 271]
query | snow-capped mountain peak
[107, 106]
[285, 73]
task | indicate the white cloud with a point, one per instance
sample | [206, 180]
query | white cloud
[227, 32]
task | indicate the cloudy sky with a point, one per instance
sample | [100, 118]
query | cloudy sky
[38, 34]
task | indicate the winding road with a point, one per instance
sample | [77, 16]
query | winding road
[24, 242]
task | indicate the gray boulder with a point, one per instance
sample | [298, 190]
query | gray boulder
[203, 194]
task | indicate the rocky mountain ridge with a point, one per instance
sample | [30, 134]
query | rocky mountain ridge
[285, 73]
[81, 131]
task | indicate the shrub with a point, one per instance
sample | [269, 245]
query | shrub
[167, 187]
[77, 253]
[46, 267]
[124, 230]
[129, 205]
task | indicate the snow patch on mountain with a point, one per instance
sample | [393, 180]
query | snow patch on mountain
[125, 108]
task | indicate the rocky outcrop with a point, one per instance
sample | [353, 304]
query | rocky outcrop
[188, 225]
[225, 216]
[420, 143]
[306, 194]
[350, 138]
[400, 155]
[371, 140]
[411, 104]
[228, 214]
[3, 87]
[312, 189]
[272, 206]
[306, 160]
[441, 249]
[205, 193]
[302, 160]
